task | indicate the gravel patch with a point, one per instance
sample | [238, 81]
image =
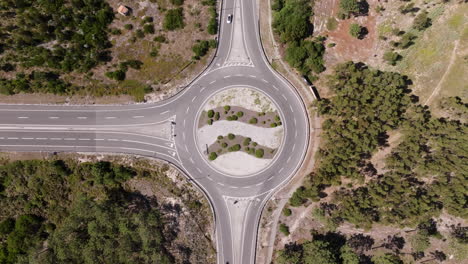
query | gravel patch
[239, 163]
[243, 97]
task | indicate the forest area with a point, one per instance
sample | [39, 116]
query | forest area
[64, 211]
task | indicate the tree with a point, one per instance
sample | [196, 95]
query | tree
[348, 256]
[318, 252]
[421, 21]
[360, 242]
[292, 22]
[174, 19]
[349, 7]
[391, 57]
[355, 30]
[387, 259]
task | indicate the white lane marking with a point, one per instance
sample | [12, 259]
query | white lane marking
[203, 88]
[253, 76]
[291, 108]
[2, 138]
[279, 171]
[258, 184]
[164, 112]
[191, 160]
[84, 139]
[276, 88]
[27, 138]
[193, 99]
[271, 178]
[82, 117]
[184, 122]
[183, 135]
[212, 82]
[69, 138]
[99, 139]
[294, 146]
[55, 138]
[294, 121]
[284, 97]
[186, 149]
[12, 138]
[295, 134]
[246, 187]
[289, 159]
[138, 116]
[112, 139]
[111, 117]
[23, 117]
[220, 183]
[209, 178]
[53, 117]
[239, 75]
[41, 138]
[227, 76]
[198, 169]
[234, 187]
[264, 80]
[186, 111]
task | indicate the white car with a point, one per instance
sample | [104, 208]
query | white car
[229, 19]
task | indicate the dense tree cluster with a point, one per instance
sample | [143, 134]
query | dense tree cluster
[66, 212]
[425, 172]
[36, 82]
[66, 34]
[292, 24]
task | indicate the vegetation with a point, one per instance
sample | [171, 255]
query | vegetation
[174, 19]
[391, 57]
[202, 47]
[355, 30]
[212, 27]
[44, 203]
[369, 103]
[284, 229]
[292, 24]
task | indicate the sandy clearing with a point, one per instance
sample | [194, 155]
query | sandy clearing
[244, 97]
[239, 163]
[269, 137]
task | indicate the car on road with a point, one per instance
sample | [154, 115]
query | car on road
[229, 19]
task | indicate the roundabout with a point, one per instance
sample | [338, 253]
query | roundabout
[240, 177]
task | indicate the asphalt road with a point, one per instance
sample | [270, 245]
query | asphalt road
[166, 130]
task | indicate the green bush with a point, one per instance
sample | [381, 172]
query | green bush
[174, 19]
[148, 29]
[240, 114]
[212, 27]
[128, 26]
[391, 57]
[200, 49]
[210, 113]
[147, 19]
[213, 156]
[254, 144]
[236, 147]
[160, 39]
[231, 136]
[220, 137]
[139, 33]
[7, 226]
[277, 118]
[273, 125]
[349, 7]
[210, 122]
[217, 116]
[287, 211]
[284, 229]
[224, 145]
[253, 120]
[177, 2]
[292, 22]
[247, 141]
[355, 30]
[116, 31]
[259, 153]
[117, 75]
[227, 108]
[421, 21]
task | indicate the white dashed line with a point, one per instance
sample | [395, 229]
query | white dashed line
[186, 149]
[200, 171]
[294, 121]
[265, 81]
[269, 179]
[234, 187]
[55, 138]
[84, 139]
[291, 108]
[82, 117]
[294, 146]
[253, 76]
[41, 138]
[276, 88]
[209, 178]
[12, 138]
[239, 75]
[203, 88]
[258, 184]
[183, 135]
[186, 111]
[111, 117]
[280, 170]
[295, 134]
[53, 117]
[164, 112]
[193, 99]
[227, 76]
[99, 139]
[2, 138]
[220, 183]
[191, 160]
[289, 159]
[27, 138]
[184, 122]
[212, 82]
[69, 139]
[23, 117]
[284, 97]
[138, 116]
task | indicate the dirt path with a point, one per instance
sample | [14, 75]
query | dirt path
[436, 90]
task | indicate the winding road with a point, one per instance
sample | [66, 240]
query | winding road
[166, 130]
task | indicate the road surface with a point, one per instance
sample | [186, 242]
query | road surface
[166, 130]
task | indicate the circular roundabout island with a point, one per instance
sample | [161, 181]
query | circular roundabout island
[239, 131]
